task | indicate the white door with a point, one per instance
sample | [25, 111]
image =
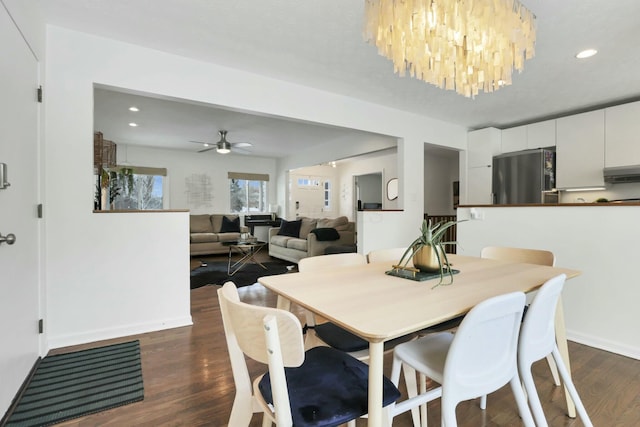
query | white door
[19, 267]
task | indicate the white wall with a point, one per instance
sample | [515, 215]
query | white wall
[600, 241]
[209, 168]
[77, 62]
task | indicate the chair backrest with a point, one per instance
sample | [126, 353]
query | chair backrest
[267, 335]
[243, 325]
[530, 256]
[321, 262]
[482, 356]
[390, 255]
[538, 334]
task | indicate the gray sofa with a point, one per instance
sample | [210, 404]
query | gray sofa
[206, 233]
[306, 243]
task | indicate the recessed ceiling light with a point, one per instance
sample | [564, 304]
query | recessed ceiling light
[133, 124]
[134, 109]
[586, 53]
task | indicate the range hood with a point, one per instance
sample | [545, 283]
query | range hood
[622, 174]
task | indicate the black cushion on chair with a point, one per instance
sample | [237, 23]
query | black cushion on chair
[339, 338]
[337, 380]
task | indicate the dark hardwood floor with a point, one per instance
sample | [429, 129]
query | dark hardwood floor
[188, 380]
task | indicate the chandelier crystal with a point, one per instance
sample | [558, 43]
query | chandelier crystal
[461, 45]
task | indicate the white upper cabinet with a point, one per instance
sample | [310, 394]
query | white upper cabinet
[580, 150]
[622, 135]
[482, 145]
[514, 139]
[541, 134]
[527, 137]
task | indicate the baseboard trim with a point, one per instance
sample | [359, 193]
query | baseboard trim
[606, 345]
[21, 390]
[125, 331]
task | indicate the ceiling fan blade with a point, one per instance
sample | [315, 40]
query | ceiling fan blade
[241, 144]
[199, 142]
[207, 149]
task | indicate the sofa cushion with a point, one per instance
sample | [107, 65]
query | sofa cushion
[278, 240]
[230, 225]
[297, 243]
[216, 222]
[228, 237]
[341, 223]
[290, 228]
[200, 224]
[307, 225]
[204, 237]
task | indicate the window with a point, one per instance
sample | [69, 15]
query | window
[248, 192]
[131, 188]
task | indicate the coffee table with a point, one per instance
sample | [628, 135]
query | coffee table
[248, 250]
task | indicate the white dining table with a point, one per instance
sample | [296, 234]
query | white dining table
[379, 307]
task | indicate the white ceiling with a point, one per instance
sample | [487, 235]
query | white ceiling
[320, 44]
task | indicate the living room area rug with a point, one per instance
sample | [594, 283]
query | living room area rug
[71, 385]
[215, 273]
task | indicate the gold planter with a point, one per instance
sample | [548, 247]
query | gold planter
[425, 259]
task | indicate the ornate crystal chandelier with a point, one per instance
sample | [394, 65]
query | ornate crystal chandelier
[461, 45]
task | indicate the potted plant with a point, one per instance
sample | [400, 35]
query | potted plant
[427, 251]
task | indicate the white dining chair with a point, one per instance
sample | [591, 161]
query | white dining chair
[529, 256]
[537, 341]
[479, 358]
[322, 386]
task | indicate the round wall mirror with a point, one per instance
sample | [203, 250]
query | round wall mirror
[392, 189]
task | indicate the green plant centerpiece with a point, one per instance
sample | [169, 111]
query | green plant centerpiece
[427, 251]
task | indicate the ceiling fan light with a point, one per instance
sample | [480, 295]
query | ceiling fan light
[223, 147]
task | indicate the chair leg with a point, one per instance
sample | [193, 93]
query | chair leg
[521, 401]
[423, 407]
[483, 402]
[566, 378]
[532, 395]
[241, 411]
[553, 369]
[412, 390]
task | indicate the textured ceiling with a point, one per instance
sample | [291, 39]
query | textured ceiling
[320, 44]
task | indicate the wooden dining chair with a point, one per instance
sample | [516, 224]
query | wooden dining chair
[529, 256]
[537, 341]
[481, 357]
[320, 387]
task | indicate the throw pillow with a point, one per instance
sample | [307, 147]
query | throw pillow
[326, 234]
[290, 228]
[230, 225]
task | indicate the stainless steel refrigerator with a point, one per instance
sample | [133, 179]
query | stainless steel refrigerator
[524, 177]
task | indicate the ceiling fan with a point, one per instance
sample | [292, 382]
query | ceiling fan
[222, 146]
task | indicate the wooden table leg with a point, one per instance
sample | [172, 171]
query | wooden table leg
[376, 361]
[561, 340]
[283, 303]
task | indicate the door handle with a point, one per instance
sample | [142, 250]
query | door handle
[9, 239]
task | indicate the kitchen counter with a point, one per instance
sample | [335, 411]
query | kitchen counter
[546, 205]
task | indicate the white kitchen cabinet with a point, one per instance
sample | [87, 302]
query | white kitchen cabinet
[482, 145]
[580, 150]
[541, 134]
[514, 139]
[622, 134]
